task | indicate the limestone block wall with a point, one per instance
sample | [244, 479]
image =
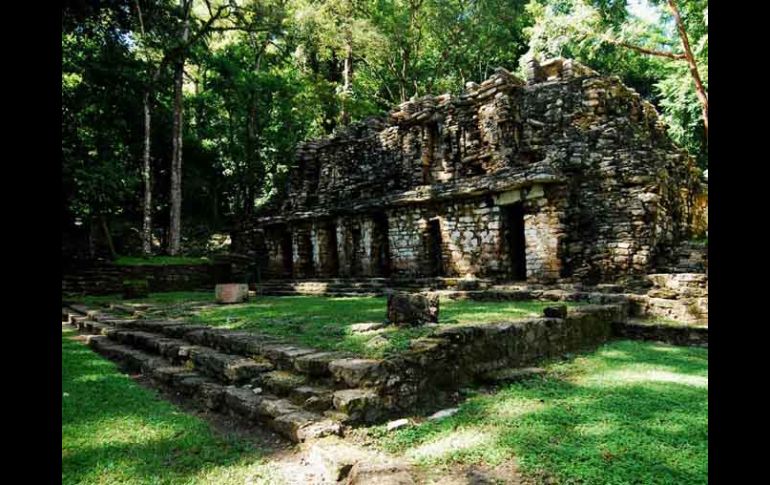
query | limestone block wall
[543, 233]
[472, 237]
[454, 356]
[406, 227]
[108, 278]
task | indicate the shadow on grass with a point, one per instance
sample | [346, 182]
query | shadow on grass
[114, 431]
[602, 419]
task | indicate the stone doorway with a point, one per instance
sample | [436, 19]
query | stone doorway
[330, 258]
[380, 244]
[434, 249]
[355, 257]
[287, 256]
[305, 254]
[513, 227]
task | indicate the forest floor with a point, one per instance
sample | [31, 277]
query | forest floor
[629, 412]
[325, 322]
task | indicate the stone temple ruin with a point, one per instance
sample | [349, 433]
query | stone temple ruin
[565, 181]
[567, 177]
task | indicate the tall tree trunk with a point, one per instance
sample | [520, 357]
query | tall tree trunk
[176, 164]
[700, 91]
[175, 225]
[146, 167]
[147, 180]
[347, 79]
[108, 237]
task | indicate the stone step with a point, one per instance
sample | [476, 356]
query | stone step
[79, 309]
[310, 379]
[298, 389]
[317, 363]
[361, 405]
[151, 342]
[226, 368]
[279, 414]
[282, 355]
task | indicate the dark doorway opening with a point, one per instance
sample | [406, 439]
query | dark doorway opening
[332, 260]
[287, 254]
[435, 261]
[381, 247]
[513, 224]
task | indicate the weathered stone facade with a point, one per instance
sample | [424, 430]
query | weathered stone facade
[568, 176]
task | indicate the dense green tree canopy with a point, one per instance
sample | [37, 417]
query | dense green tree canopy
[259, 76]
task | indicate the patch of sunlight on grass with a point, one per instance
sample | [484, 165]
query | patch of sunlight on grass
[596, 429]
[628, 376]
[452, 443]
[515, 407]
[626, 413]
[615, 354]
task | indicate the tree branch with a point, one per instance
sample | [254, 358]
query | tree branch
[643, 50]
[700, 90]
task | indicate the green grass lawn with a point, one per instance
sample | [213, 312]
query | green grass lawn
[159, 260]
[324, 322]
[115, 431]
[172, 298]
[629, 413]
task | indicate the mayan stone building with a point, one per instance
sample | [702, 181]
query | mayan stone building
[568, 176]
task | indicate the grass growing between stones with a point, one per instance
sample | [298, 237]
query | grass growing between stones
[631, 412]
[115, 431]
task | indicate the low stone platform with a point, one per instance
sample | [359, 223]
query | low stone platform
[678, 296]
[690, 335]
[338, 386]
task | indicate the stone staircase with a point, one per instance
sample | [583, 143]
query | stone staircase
[299, 392]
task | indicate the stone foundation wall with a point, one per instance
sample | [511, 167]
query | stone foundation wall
[456, 355]
[682, 297]
[108, 279]
[673, 335]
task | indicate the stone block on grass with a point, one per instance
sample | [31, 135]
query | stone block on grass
[412, 309]
[231, 292]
